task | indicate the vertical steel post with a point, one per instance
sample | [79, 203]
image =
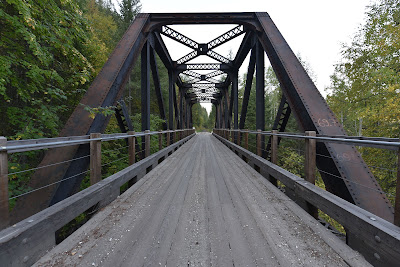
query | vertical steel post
[235, 103]
[238, 138]
[226, 108]
[4, 208]
[187, 114]
[260, 99]
[95, 159]
[180, 108]
[258, 145]
[145, 91]
[132, 147]
[168, 138]
[247, 89]
[397, 201]
[190, 116]
[147, 143]
[216, 115]
[171, 99]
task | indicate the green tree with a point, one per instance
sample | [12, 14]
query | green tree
[45, 48]
[200, 117]
[128, 10]
[365, 87]
[210, 123]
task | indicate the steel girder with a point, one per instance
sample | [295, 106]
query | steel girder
[104, 91]
[355, 183]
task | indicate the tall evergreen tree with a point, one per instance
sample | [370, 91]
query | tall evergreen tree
[128, 10]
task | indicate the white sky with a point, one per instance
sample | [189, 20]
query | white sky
[315, 29]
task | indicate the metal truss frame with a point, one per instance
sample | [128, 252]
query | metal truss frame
[262, 35]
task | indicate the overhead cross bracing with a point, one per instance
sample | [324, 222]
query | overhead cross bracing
[188, 69]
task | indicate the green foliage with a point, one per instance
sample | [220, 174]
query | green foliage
[128, 10]
[200, 117]
[210, 123]
[105, 111]
[50, 51]
[365, 87]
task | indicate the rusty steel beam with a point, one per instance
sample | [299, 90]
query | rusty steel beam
[157, 87]
[353, 182]
[105, 90]
[247, 89]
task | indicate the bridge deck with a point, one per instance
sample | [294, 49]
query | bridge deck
[202, 206]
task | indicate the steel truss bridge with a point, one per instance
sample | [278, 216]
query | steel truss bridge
[353, 196]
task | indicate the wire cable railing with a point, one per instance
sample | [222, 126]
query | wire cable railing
[114, 153]
[382, 171]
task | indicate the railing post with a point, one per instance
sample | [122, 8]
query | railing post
[132, 147]
[246, 139]
[274, 147]
[168, 138]
[258, 145]
[160, 140]
[310, 150]
[147, 143]
[4, 212]
[397, 200]
[232, 136]
[274, 155]
[238, 138]
[95, 159]
[175, 136]
[310, 166]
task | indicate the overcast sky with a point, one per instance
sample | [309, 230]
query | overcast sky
[314, 29]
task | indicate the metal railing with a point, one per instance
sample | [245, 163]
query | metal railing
[241, 137]
[94, 139]
[375, 238]
[26, 241]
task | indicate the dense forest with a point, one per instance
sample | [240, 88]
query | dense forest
[50, 52]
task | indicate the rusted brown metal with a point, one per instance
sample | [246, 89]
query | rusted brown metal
[353, 182]
[104, 91]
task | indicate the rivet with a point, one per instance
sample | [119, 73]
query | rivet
[24, 240]
[376, 255]
[372, 218]
[26, 258]
[377, 239]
